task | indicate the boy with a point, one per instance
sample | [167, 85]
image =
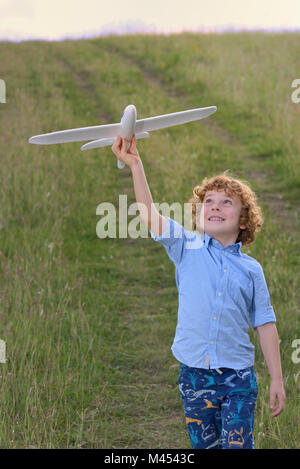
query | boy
[221, 292]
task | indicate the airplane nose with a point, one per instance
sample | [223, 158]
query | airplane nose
[130, 111]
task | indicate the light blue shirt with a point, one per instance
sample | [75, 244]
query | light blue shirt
[222, 292]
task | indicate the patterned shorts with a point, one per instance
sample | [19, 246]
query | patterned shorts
[219, 406]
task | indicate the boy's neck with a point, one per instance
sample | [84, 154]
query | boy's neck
[225, 242]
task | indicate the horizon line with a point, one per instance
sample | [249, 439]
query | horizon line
[149, 31]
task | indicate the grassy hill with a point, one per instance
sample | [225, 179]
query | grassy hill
[88, 322]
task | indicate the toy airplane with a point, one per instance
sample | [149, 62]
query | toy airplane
[106, 134]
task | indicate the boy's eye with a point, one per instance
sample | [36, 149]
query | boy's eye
[227, 200]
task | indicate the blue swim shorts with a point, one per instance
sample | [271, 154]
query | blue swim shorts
[219, 406]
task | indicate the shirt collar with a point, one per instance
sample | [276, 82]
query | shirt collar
[232, 248]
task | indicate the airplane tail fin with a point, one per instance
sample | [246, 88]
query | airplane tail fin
[105, 142]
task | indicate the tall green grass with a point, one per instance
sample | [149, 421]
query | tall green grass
[88, 323]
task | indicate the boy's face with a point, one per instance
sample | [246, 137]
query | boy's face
[222, 216]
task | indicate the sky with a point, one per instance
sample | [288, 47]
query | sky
[60, 19]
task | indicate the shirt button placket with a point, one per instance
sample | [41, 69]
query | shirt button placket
[216, 314]
[214, 326]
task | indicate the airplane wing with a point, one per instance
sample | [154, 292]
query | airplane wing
[77, 135]
[112, 130]
[176, 118]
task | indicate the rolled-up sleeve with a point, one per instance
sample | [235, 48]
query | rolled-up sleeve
[172, 240]
[261, 310]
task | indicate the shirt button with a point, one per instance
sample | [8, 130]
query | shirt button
[219, 293]
[211, 342]
[225, 270]
[230, 250]
[215, 318]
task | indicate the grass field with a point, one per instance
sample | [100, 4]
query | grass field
[88, 322]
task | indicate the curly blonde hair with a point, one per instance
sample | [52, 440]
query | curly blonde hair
[251, 214]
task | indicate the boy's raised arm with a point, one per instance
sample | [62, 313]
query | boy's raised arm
[149, 214]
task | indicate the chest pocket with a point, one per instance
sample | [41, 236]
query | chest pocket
[240, 289]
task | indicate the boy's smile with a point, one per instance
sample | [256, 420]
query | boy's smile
[213, 218]
[222, 216]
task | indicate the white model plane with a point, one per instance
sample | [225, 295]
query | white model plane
[106, 134]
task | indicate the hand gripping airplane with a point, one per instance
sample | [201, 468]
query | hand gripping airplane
[104, 135]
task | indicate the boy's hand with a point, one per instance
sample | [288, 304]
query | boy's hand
[277, 397]
[130, 156]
